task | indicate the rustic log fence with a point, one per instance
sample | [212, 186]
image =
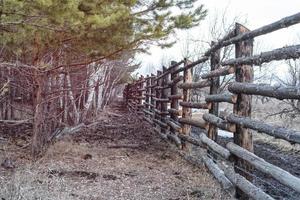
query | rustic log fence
[164, 101]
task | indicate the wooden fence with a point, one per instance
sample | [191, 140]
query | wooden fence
[164, 100]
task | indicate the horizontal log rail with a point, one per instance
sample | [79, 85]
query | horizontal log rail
[219, 72]
[225, 97]
[220, 123]
[278, 92]
[193, 122]
[290, 52]
[175, 111]
[195, 105]
[175, 80]
[279, 174]
[280, 24]
[275, 131]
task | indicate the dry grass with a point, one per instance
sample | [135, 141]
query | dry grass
[150, 172]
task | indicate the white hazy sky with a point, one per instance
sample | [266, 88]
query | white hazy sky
[256, 13]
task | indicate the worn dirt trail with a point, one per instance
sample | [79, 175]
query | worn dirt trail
[120, 158]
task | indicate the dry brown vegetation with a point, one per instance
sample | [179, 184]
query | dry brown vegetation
[91, 166]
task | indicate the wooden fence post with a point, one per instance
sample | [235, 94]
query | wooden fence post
[214, 87]
[141, 94]
[244, 73]
[152, 95]
[174, 91]
[186, 112]
[158, 95]
[164, 95]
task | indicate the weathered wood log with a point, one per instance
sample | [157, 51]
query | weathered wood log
[212, 131]
[160, 112]
[161, 124]
[161, 100]
[246, 186]
[174, 112]
[175, 139]
[193, 122]
[149, 104]
[167, 72]
[192, 85]
[190, 65]
[282, 23]
[215, 146]
[290, 52]
[175, 96]
[174, 91]
[195, 105]
[218, 173]
[243, 73]
[148, 112]
[277, 173]
[186, 112]
[219, 72]
[164, 95]
[174, 126]
[278, 92]
[148, 120]
[275, 131]
[191, 140]
[220, 123]
[175, 80]
[162, 136]
[225, 97]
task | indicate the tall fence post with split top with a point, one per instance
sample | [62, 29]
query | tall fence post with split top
[244, 73]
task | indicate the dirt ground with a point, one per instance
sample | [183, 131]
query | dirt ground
[120, 158]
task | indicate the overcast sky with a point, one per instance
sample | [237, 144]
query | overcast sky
[255, 13]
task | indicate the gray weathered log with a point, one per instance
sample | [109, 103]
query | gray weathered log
[220, 123]
[173, 111]
[175, 80]
[225, 97]
[215, 146]
[279, 92]
[280, 24]
[219, 72]
[175, 139]
[174, 126]
[246, 186]
[148, 120]
[193, 122]
[161, 124]
[275, 131]
[148, 112]
[175, 96]
[195, 105]
[290, 52]
[200, 60]
[200, 84]
[218, 173]
[191, 140]
[277, 173]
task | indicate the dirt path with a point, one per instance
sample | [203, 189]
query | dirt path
[119, 159]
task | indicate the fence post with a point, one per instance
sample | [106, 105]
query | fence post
[164, 95]
[147, 94]
[158, 95]
[214, 87]
[140, 93]
[152, 95]
[174, 91]
[186, 112]
[244, 73]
